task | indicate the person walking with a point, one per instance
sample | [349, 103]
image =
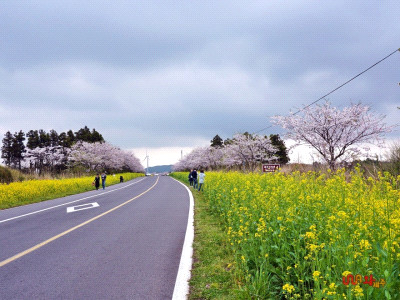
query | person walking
[103, 180]
[201, 179]
[191, 177]
[97, 181]
[194, 175]
[121, 178]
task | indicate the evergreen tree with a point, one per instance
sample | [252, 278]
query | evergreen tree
[18, 149]
[70, 140]
[62, 140]
[6, 149]
[228, 141]
[54, 139]
[44, 139]
[217, 142]
[33, 139]
[96, 136]
[83, 134]
[282, 152]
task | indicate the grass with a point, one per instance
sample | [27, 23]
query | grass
[213, 270]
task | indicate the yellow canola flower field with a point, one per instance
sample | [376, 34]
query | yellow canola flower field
[21, 193]
[310, 235]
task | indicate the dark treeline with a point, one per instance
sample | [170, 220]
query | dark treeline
[14, 147]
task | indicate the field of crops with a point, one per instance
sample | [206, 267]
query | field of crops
[20, 193]
[310, 235]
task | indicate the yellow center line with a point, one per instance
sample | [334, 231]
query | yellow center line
[23, 253]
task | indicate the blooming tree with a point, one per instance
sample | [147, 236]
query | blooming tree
[244, 150]
[103, 156]
[249, 151]
[335, 134]
[50, 158]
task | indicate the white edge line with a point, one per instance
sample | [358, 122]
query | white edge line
[38, 211]
[181, 289]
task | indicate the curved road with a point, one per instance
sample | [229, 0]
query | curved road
[121, 243]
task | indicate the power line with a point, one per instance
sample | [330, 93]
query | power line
[340, 86]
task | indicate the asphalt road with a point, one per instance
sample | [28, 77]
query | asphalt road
[121, 243]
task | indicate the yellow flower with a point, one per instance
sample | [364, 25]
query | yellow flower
[289, 288]
[310, 235]
[364, 244]
[358, 291]
[316, 274]
[345, 273]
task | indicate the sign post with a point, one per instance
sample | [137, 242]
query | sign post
[270, 168]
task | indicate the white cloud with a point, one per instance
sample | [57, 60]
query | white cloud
[307, 155]
[163, 155]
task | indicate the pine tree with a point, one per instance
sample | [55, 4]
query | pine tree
[44, 139]
[33, 139]
[54, 138]
[282, 152]
[6, 149]
[96, 136]
[18, 149]
[217, 142]
[83, 134]
[70, 138]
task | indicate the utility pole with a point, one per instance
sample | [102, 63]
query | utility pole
[147, 157]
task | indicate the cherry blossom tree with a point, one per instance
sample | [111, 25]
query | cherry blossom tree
[102, 156]
[335, 134]
[49, 158]
[244, 150]
[249, 151]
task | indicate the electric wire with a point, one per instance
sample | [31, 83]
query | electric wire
[340, 86]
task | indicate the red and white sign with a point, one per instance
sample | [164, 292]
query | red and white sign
[270, 168]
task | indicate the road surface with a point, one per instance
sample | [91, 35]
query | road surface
[123, 242]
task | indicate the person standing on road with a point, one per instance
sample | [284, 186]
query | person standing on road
[103, 180]
[97, 181]
[194, 175]
[191, 177]
[201, 179]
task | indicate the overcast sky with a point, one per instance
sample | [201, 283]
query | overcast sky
[170, 75]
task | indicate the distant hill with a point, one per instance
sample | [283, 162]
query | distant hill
[160, 169]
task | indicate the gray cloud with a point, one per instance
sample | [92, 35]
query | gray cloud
[160, 73]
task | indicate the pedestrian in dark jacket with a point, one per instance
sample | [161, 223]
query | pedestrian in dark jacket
[194, 175]
[97, 181]
[191, 177]
[121, 178]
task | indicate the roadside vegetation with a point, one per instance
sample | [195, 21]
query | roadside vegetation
[330, 230]
[213, 261]
[31, 191]
[51, 165]
[299, 235]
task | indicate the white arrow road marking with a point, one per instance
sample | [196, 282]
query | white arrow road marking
[82, 207]
[38, 211]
